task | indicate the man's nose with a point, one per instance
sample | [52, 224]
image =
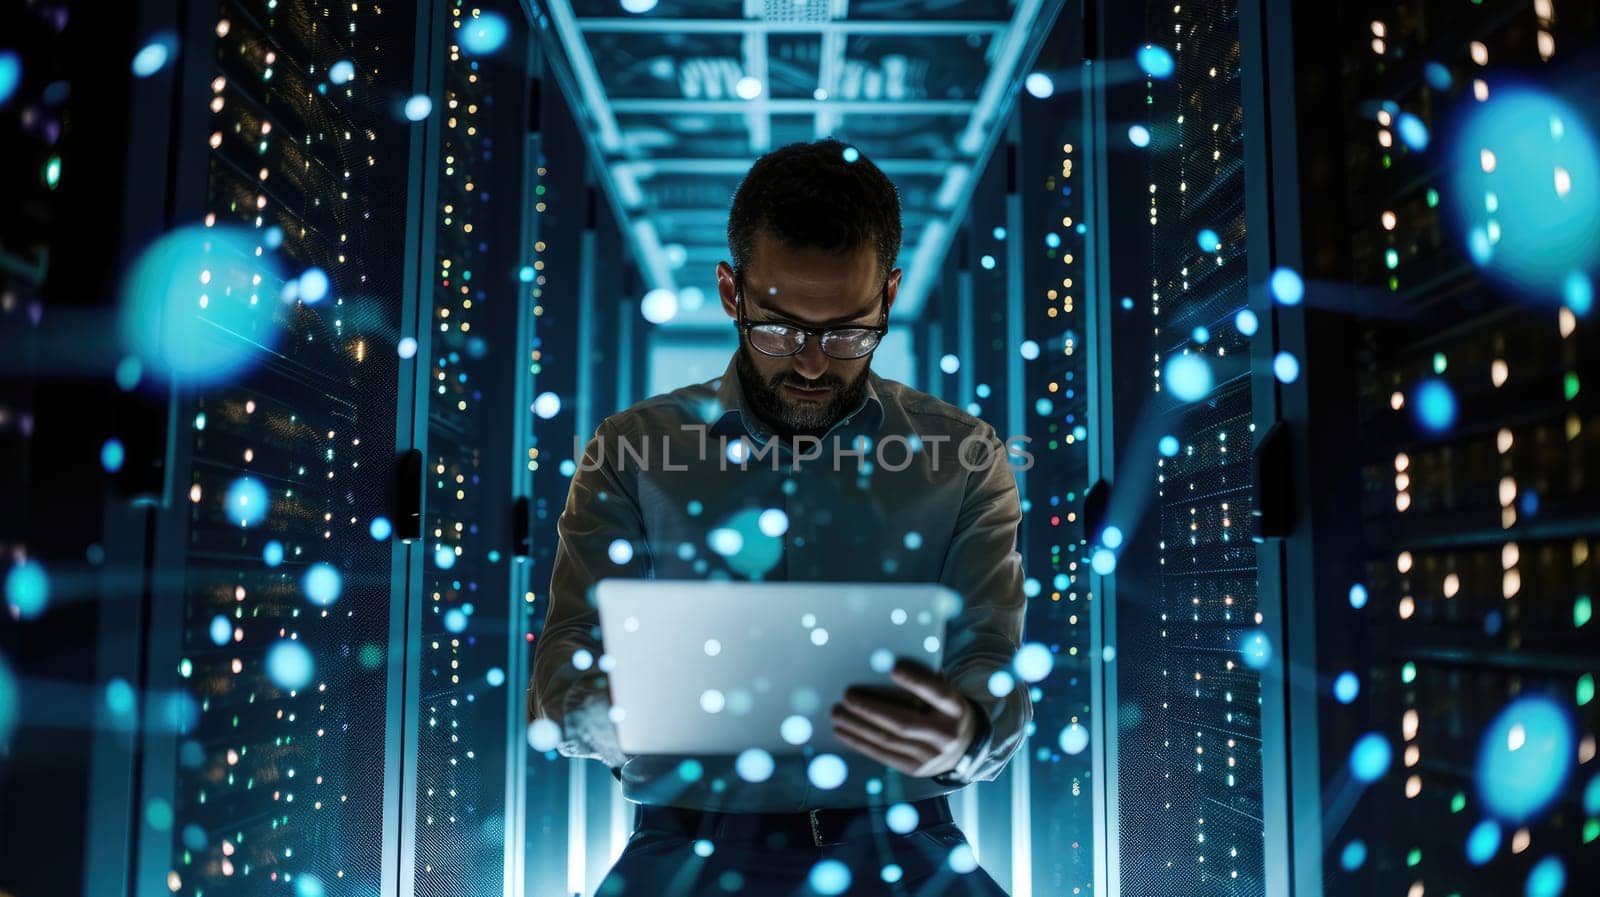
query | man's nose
[809, 362]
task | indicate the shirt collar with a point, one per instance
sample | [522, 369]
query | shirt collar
[736, 416]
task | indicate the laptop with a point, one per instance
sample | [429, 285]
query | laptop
[718, 667]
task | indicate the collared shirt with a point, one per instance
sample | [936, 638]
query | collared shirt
[905, 488]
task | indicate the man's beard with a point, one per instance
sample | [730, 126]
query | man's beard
[790, 418]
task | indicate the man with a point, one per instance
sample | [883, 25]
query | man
[925, 493]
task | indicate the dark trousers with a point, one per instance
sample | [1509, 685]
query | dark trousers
[664, 862]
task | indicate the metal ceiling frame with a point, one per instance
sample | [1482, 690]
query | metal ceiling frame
[1017, 40]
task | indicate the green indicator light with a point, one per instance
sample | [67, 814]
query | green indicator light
[1458, 803]
[1591, 830]
[1408, 673]
[1414, 857]
[1585, 689]
[1392, 259]
[52, 172]
[1387, 162]
[1440, 362]
[185, 668]
[1581, 611]
[1394, 283]
[1433, 198]
[1569, 385]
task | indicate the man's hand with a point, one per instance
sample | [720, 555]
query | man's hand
[922, 729]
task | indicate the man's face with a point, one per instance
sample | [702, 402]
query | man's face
[809, 391]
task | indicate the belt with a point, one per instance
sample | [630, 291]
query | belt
[817, 828]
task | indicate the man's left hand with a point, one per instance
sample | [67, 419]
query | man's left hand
[922, 729]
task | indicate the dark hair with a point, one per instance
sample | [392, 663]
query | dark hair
[808, 196]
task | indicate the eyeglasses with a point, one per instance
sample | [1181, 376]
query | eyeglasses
[845, 343]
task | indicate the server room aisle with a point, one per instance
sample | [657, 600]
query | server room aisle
[308, 308]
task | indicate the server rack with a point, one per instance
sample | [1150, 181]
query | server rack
[1177, 692]
[1435, 554]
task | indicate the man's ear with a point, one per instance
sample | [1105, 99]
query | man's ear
[893, 288]
[727, 288]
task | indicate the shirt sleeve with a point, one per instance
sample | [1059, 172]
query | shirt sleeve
[984, 567]
[600, 510]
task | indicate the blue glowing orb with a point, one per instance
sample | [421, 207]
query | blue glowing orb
[1039, 85]
[112, 454]
[1435, 404]
[547, 405]
[892, 873]
[27, 589]
[1256, 649]
[1438, 76]
[999, 233]
[1074, 739]
[987, 262]
[1370, 757]
[308, 885]
[130, 370]
[1526, 189]
[850, 154]
[8, 703]
[246, 501]
[1034, 662]
[1247, 322]
[1188, 378]
[1155, 61]
[484, 34]
[902, 818]
[289, 665]
[829, 877]
[455, 621]
[1591, 796]
[154, 56]
[1201, 334]
[10, 75]
[322, 584]
[1482, 842]
[312, 286]
[1286, 286]
[1103, 561]
[1577, 292]
[1347, 687]
[191, 304]
[1139, 136]
[754, 765]
[638, 6]
[826, 771]
[1525, 757]
[342, 72]
[380, 529]
[194, 837]
[444, 557]
[418, 107]
[745, 546]
[1353, 855]
[1286, 367]
[1168, 446]
[221, 631]
[1358, 596]
[272, 553]
[1029, 349]
[1111, 537]
[1413, 133]
[496, 677]
[1208, 240]
[1043, 407]
[1548, 878]
[1002, 683]
[659, 305]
